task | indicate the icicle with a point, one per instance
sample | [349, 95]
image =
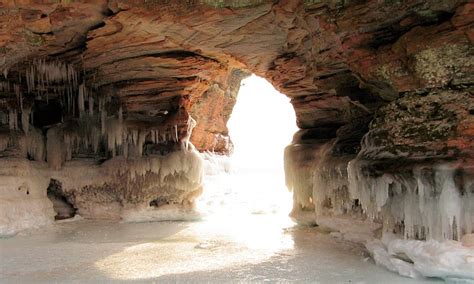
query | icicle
[141, 142]
[175, 128]
[13, 119]
[18, 95]
[135, 136]
[35, 145]
[3, 118]
[68, 146]
[25, 120]
[103, 116]
[428, 202]
[450, 204]
[91, 105]
[80, 98]
[191, 124]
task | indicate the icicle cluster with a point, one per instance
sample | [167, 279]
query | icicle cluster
[298, 172]
[33, 146]
[185, 163]
[423, 202]
[40, 74]
[13, 119]
[56, 77]
[12, 88]
[426, 201]
[42, 79]
[330, 188]
[119, 138]
[28, 145]
[91, 132]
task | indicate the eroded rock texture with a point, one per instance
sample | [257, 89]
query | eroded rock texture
[387, 83]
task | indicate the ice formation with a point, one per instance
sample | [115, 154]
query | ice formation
[149, 163]
[216, 164]
[23, 197]
[163, 213]
[117, 189]
[120, 138]
[318, 181]
[121, 187]
[430, 202]
[424, 202]
[42, 74]
[448, 260]
[298, 175]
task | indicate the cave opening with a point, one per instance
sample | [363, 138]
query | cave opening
[261, 125]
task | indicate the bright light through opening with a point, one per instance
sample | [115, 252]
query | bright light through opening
[261, 126]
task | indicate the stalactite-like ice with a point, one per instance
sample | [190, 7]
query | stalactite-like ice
[35, 145]
[43, 77]
[298, 177]
[25, 119]
[425, 201]
[121, 186]
[82, 93]
[422, 202]
[13, 119]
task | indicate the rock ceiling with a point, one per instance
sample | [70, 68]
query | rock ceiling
[338, 61]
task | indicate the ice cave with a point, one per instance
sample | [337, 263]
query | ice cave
[313, 141]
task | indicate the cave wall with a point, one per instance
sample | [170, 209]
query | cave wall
[384, 84]
[391, 139]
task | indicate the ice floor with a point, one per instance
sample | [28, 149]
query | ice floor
[245, 236]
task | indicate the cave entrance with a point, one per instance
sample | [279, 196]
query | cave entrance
[262, 124]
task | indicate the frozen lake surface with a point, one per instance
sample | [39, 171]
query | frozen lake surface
[245, 235]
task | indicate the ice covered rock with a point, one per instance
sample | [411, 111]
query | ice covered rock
[449, 260]
[23, 199]
[104, 191]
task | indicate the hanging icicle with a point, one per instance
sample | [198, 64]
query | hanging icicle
[25, 119]
[82, 93]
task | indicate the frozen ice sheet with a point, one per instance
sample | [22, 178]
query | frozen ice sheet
[246, 237]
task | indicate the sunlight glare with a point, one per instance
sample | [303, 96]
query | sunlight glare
[262, 124]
